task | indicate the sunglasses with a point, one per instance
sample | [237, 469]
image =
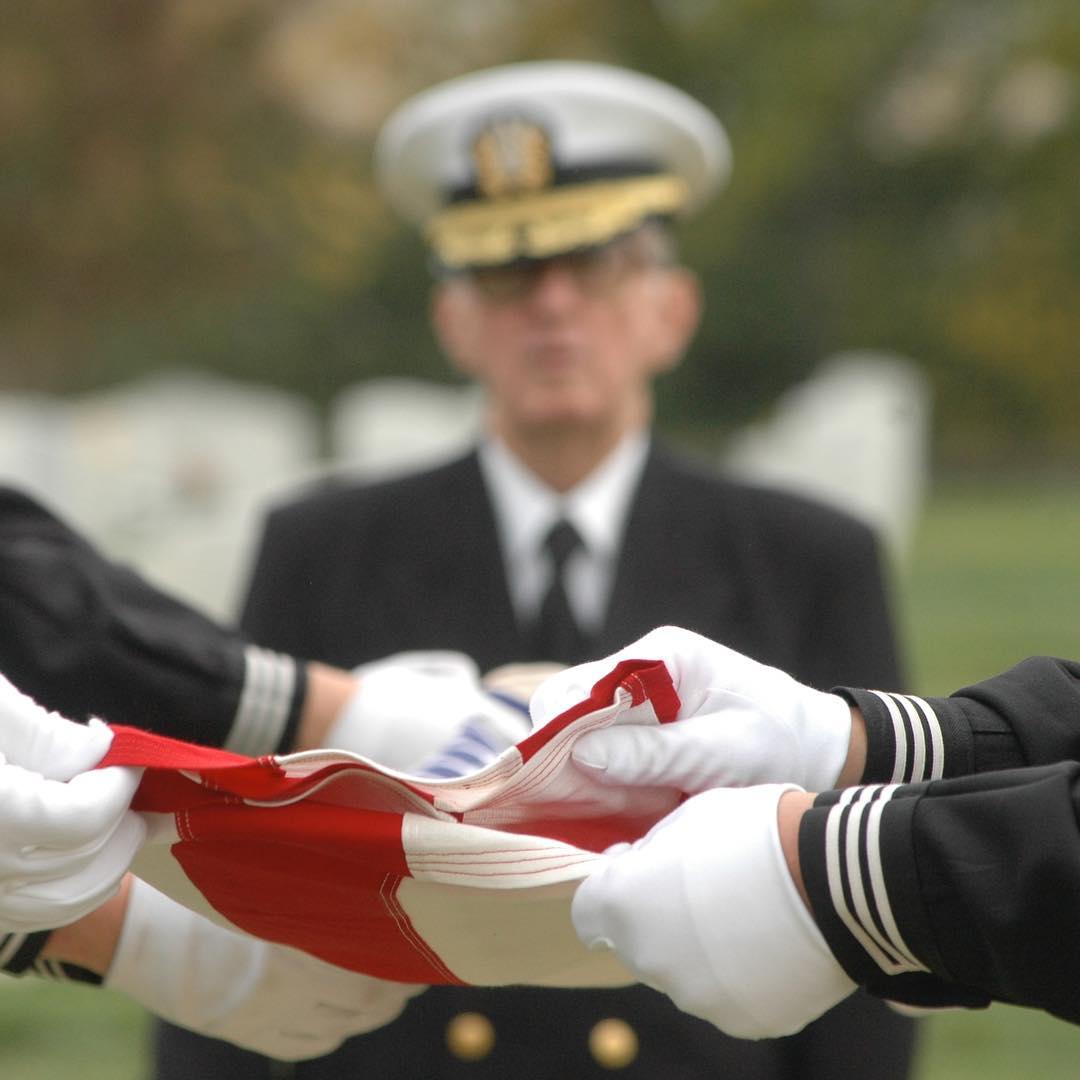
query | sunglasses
[596, 271]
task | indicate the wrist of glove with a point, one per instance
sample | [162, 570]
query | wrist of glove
[409, 709]
[263, 997]
[739, 722]
[703, 908]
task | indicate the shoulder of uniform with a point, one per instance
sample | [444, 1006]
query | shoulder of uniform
[703, 480]
[809, 512]
[341, 496]
[757, 517]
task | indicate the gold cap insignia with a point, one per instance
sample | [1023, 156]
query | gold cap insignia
[512, 156]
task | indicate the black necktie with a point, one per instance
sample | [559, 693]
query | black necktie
[557, 635]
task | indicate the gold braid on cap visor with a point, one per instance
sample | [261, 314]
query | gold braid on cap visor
[541, 224]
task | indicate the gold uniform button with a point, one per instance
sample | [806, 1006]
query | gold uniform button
[613, 1043]
[470, 1036]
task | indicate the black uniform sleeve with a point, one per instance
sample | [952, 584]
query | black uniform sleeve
[1029, 715]
[85, 636]
[962, 890]
[20, 954]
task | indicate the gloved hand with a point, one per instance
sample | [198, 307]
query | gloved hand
[63, 846]
[45, 742]
[704, 909]
[479, 741]
[268, 998]
[410, 707]
[740, 722]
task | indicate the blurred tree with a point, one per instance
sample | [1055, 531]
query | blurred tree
[189, 183]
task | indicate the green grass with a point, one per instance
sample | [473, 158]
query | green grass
[994, 576]
[1000, 1043]
[52, 1032]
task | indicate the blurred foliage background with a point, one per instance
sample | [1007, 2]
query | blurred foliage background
[188, 183]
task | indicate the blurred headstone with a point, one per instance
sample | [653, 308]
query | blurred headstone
[34, 453]
[855, 435]
[168, 473]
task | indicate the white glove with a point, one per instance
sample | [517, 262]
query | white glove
[268, 998]
[740, 722]
[703, 908]
[411, 706]
[63, 846]
[45, 742]
[501, 719]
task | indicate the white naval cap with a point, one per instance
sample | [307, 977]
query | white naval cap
[536, 159]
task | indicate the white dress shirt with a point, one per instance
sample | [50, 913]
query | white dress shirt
[526, 508]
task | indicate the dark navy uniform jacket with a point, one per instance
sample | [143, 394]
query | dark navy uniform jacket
[354, 572]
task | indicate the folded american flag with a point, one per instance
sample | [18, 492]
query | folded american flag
[465, 880]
